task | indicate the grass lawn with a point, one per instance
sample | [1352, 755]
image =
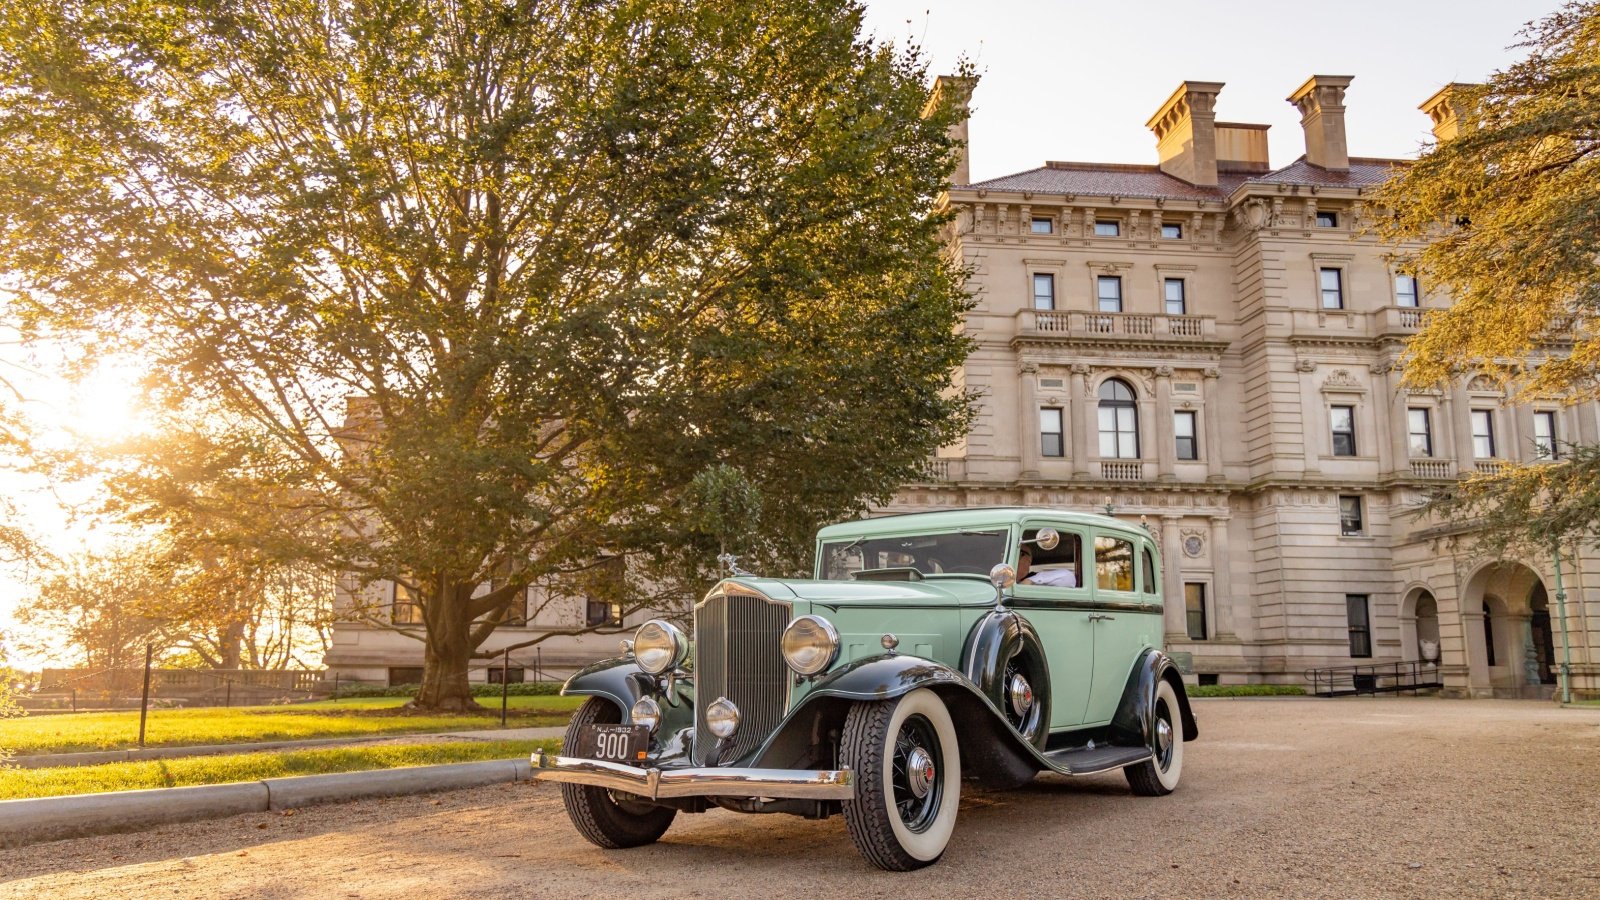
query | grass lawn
[55, 782]
[74, 732]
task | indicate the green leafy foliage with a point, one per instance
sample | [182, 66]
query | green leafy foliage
[455, 292]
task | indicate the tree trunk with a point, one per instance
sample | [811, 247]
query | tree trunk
[447, 653]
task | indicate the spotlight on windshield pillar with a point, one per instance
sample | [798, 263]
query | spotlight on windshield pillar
[889, 642]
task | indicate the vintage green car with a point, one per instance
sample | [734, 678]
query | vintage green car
[984, 645]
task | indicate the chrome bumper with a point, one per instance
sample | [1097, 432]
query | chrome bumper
[657, 784]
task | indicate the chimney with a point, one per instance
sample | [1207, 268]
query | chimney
[1443, 110]
[1321, 104]
[1242, 148]
[1186, 132]
[957, 90]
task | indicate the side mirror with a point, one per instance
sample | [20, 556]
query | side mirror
[1002, 576]
[1047, 538]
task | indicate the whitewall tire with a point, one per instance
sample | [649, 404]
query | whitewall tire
[1159, 775]
[908, 780]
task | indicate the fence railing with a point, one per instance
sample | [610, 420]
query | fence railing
[1374, 678]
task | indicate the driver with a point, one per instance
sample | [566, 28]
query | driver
[1052, 577]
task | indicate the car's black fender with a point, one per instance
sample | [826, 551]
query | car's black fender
[1135, 718]
[993, 641]
[621, 681]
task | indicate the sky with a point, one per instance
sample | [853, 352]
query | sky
[1074, 80]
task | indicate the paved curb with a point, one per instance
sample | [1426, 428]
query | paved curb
[40, 819]
[101, 757]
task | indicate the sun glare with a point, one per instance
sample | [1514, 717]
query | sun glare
[104, 405]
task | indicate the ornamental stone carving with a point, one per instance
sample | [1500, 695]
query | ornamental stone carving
[1163, 371]
[1305, 365]
[1341, 378]
[1079, 369]
[1194, 542]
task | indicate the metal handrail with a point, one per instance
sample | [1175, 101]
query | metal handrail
[1374, 678]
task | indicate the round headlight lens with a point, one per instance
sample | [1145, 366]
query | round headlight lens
[659, 645]
[810, 645]
[722, 717]
[647, 713]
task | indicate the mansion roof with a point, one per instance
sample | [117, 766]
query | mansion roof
[1116, 180]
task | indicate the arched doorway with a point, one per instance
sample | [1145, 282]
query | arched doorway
[1502, 649]
[1419, 627]
[1544, 645]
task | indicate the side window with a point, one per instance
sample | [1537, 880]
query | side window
[1149, 571]
[1113, 564]
[1058, 567]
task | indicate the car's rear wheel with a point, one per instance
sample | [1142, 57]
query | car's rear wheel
[1159, 775]
[610, 819]
[908, 780]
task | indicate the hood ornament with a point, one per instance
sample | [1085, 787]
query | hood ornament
[731, 563]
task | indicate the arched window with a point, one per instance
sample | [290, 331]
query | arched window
[1119, 421]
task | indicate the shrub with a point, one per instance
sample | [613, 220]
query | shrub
[1247, 690]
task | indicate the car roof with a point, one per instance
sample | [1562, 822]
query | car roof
[971, 517]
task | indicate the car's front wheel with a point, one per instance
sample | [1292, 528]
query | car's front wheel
[1159, 775]
[610, 819]
[908, 779]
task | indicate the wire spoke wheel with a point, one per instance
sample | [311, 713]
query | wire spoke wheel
[908, 787]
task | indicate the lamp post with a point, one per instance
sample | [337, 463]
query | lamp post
[1566, 644]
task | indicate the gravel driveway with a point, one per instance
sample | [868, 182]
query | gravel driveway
[1395, 797]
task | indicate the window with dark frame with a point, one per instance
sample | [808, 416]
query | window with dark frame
[1119, 421]
[1173, 291]
[1044, 290]
[1113, 564]
[1149, 571]
[1419, 424]
[1360, 626]
[1183, 429]
[1107, 228]
[1405, 291]
[1350, 523]
[1544, 436]
[600, 613]
[1483, 434]
[1331, 281]
[1194, 605]
[1327, 219]
[1171, 231]
[513, 674]
[1043, 225]
[1051, 433]
[1342, 421]
[399, 675]
[403, 606]
[1108, 291]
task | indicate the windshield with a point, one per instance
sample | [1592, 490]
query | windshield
[951, 553]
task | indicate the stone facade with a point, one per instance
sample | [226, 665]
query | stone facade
[1248, 317]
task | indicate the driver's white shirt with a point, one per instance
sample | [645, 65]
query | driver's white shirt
[1054, 577]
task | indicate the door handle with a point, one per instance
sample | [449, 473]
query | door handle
[1098, 617]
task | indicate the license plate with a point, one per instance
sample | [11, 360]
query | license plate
[613, 743]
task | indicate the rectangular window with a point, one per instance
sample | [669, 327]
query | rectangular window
[1544, 435]
[599, 613]
[1343, 422]
[1350, 515]
[1332, 283]
[1194, 604]
[403, 606]
[1113, 564]
[399, 675]
[1051, 442]
[1108, 289]
[1184, 432]
[1172, 289]
[1419, 424]
[1149, 571]
[1171, 231]
[1360, 626]
[1483, 434]
[508, 675]
[1044, 290]
[1043, 226]
[1119, 431]
[1327, 220]
[1405, 290]
[1107, 228]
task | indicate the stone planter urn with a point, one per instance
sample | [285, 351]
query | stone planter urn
[1430, 652]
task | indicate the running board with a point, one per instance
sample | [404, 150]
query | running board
[1089, 760]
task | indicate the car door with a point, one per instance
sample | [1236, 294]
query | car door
[1061, 617]
[1120, 621]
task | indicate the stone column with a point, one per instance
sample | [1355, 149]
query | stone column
[1588, 426]
[1222, 578]
[1213, 425]
[1166, 441]
[1522, 432]
[1176, 623]
[1028, 420]
[1399, 420]
[1462, 426]
[1083, 420]
[1444, 431]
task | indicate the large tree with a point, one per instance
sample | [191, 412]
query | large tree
[463, 293]
[1507, 217]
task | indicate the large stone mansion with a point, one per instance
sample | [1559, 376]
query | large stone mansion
[1209, 344]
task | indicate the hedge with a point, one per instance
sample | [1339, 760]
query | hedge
[523, 689]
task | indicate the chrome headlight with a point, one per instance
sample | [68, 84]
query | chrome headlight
[658, 646]
[646, 712]
[810, 645]
[722, 718]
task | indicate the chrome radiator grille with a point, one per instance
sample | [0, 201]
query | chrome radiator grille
[736, 656]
